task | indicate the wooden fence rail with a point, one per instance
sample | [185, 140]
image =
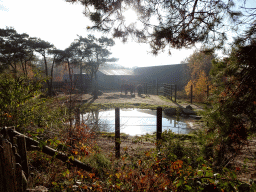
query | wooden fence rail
[192, 96]
[170, 90]
[14, 172]
[154, 88]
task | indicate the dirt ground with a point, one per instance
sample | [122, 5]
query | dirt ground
[245, 161]
[118, 97]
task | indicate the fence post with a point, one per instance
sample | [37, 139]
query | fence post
[156, 86]
[171, 91]
[164, 89]
[175, 92]
[208, 91]
[22, 150]
[191, 93]
[117, 132]
[159, 126]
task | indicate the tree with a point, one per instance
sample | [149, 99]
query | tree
[43, 47]
[15, 49]
[197, 62]
[199, 86]
[90, 53]
[232, 119]
[177, 23]
[15, 90]
[199, 66]
[99, 56]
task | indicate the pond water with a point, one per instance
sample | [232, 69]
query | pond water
[133, 121]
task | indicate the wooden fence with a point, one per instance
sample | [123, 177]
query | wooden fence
[153, 88]
[117, 129]
[192, 96]
[14, 171]
[170, 90]
[65, 86]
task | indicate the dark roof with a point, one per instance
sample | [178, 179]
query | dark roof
[117, 71]
[158, 69]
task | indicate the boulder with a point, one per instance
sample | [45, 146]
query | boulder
[188, 112]
[189, 107]
[195, 117]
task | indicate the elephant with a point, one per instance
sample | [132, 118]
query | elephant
[127, 87]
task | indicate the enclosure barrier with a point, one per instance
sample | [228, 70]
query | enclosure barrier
[192, 96]
[169, 89]
[14, 172]
[153, 88]
[117, 129]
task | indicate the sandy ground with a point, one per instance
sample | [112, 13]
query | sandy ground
[118, 97]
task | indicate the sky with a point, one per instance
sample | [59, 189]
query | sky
[59, 23]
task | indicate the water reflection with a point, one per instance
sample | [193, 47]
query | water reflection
[132, 121]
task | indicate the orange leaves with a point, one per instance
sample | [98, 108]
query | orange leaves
[177, 165]
[147, 154]
[238, 169]
[74, 152]
[139, 162]
[7, 115]
[199, 86]
[91, 175]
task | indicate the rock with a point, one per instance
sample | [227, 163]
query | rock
[99, 93]
[170, 111]
[188, 112]
[189, 107]
[195, 117]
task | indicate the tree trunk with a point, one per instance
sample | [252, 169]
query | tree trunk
[95, 86]
[46, 74]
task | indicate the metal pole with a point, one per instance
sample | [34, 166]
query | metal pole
[117, 132]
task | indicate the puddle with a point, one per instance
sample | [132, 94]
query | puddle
[133, 121]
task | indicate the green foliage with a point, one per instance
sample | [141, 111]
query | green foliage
[197, 62]
[15, 92]
[232, 118]
[176, 24]
[99, 162]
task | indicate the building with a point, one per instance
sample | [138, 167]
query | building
[112, 79]
[172, 74]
